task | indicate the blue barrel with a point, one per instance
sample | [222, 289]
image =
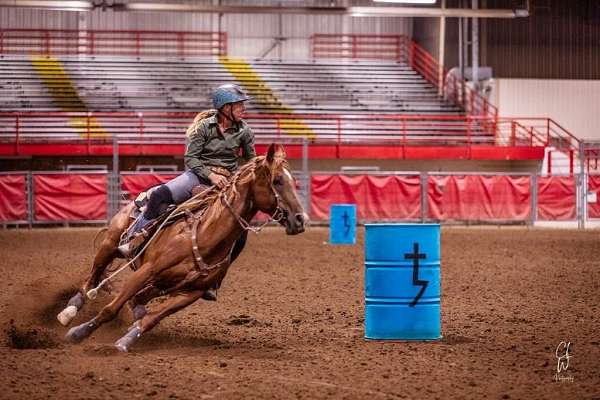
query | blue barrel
[402, 281]
[342, 224]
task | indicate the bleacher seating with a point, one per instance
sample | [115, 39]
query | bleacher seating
[302, 88]
[306, 87]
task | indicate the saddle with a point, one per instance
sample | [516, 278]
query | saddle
[165, 219]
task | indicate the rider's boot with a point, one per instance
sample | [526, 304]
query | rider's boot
[210, 294]
[136, 237]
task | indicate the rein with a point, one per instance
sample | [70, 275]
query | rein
[277, 215]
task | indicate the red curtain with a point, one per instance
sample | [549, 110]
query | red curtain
[59, 197]
[478, 197]
[13, 201]
[594, 186]
[556, 198]
[135, 184]
[376, 197]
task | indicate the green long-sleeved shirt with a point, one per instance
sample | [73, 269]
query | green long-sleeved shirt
[207, 147]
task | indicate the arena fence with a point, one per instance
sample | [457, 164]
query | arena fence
[332, 136]
[31, 198]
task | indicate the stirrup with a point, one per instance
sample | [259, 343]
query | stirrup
[128, 249]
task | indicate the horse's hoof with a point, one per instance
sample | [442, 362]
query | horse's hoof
[80, 332]
[139, 312]
[130, 337]
[76, 301]
[66, 316]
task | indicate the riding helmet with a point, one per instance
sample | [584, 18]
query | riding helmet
[228, 93]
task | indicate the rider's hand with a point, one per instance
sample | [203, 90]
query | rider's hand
[218, 180]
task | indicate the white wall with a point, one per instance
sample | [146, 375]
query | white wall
[574, 104]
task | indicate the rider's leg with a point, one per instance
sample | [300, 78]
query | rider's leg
[159, 197]
[238, 246]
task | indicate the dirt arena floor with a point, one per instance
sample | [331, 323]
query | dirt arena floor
[289, 324]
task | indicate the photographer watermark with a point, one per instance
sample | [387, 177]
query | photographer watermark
[563, 356]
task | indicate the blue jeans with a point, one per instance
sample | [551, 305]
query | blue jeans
[181, 186]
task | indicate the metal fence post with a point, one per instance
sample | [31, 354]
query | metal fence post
[584, 186]
[29, 188]
[114, 179]
[424, 180]
[306, 175]
[534, 199]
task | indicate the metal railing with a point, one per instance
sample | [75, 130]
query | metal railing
[400, 48]
[136, 43]
[18, 128]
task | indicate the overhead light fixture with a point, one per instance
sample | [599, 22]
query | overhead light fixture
[64, 5]
[406, 1]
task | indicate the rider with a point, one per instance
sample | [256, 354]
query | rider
[211, 157]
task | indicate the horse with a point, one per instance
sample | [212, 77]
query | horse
[185, 258]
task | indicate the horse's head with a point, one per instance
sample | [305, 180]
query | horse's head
[275, 191]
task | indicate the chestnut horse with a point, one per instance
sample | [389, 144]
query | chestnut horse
[187, 257]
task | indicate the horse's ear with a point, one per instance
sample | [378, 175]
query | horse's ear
[275, 150]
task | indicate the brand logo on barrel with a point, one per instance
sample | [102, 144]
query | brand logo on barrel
[346, 223]
[416, 256]
[563, 355]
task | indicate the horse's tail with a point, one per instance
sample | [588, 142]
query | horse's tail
[103, 230]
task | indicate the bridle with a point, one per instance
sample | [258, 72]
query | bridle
[277, 215]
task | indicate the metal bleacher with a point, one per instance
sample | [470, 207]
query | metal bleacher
[364, 90]
[308, 87]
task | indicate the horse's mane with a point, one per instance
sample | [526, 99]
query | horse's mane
[209, 206]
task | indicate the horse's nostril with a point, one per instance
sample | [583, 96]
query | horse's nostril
[300, 218]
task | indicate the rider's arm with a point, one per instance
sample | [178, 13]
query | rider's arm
[247, 144]
[192, 155]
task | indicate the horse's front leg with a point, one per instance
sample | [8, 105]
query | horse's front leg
[136, 281]
[137, 304]
[174, 303]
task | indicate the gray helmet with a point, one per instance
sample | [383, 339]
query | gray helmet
[228, 93]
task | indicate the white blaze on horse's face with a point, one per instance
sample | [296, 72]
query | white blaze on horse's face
[289, 202]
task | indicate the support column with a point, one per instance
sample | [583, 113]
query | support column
[475, 47]
[442, 52]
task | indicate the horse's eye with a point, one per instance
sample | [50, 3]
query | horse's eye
[278, 182]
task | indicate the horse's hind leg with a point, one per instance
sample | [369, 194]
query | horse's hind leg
[108, 249]
[174, 303]
[136, 281]
[105, 255]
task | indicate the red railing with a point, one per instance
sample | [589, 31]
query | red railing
[180, 44]
[402, 49]
[357, 47]
[93, 129]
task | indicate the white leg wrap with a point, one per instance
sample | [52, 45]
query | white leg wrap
[66, 316]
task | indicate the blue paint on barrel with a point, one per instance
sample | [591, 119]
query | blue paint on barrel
[342, 224]
[402, 281]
